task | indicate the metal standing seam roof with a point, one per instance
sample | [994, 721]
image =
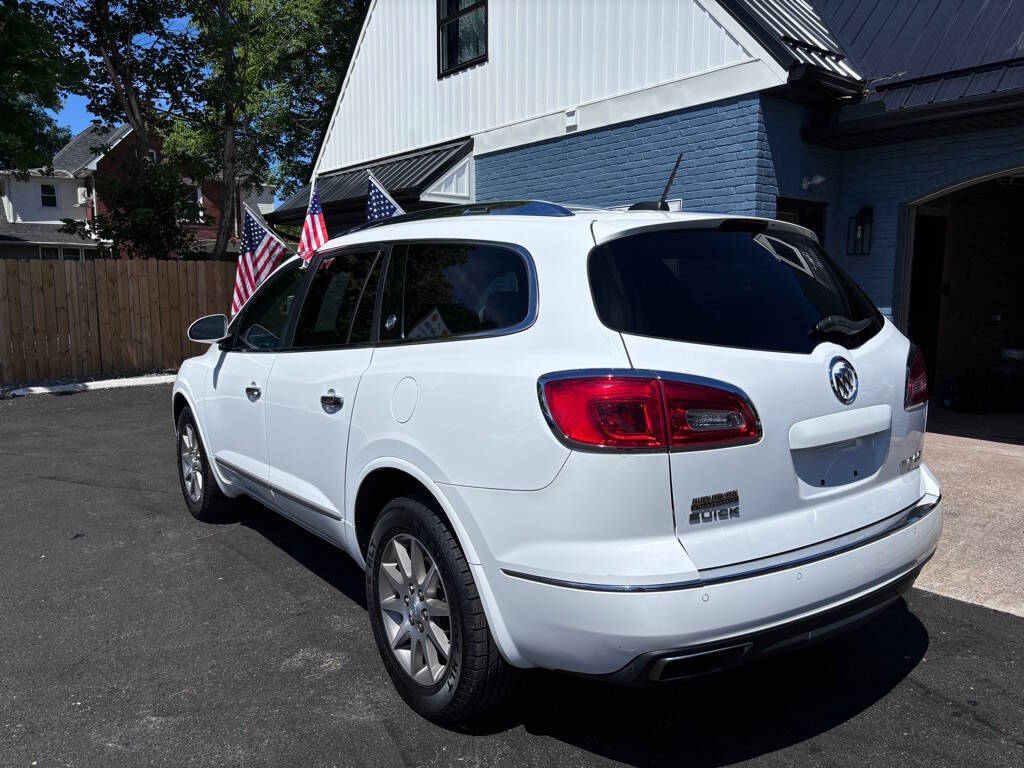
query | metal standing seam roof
[401, 175]
[915, 53]
[796, 34]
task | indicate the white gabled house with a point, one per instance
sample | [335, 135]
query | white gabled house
[435, 85]
[880, 126]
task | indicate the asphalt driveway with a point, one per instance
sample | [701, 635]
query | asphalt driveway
[131, 635]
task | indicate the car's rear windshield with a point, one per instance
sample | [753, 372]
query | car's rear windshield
[751, 288]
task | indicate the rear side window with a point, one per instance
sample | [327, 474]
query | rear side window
[774, 291]
[435, 290]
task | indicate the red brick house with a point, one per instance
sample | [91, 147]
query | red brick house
[31, 211]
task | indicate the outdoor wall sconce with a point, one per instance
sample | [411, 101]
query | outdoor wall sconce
[858, 232]
[812, 181]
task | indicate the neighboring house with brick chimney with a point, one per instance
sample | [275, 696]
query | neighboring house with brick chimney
[31, 210]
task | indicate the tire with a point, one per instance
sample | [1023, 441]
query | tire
[209, 504]
[474, 678]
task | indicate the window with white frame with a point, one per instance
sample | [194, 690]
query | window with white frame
[71, 254]
[48, 195]
[49, 252]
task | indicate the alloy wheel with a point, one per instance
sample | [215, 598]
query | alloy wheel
[414, 609]
[191, 464]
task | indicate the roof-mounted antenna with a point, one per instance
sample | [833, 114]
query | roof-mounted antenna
[661, 204]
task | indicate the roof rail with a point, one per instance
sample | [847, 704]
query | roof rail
[502, 208]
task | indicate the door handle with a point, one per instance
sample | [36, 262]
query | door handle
[331, 402]
[253, 392]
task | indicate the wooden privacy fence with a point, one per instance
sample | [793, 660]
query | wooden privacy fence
[106, 317]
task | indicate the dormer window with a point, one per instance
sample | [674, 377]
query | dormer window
[461, 35]
[48, 195]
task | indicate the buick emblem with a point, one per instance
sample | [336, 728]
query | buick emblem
[843, 378]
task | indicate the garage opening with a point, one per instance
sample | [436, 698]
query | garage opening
[966, 308]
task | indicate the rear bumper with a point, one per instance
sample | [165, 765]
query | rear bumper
[694, 661]
[624, 635]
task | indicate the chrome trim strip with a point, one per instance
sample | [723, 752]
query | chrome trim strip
[836, 545]
[603, 587]
[762, 566]
[274, 490]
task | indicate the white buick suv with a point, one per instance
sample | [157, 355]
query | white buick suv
[636, 445]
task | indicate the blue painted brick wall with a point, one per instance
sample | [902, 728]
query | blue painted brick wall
[622, 164]
[887, 178]
[739, 155]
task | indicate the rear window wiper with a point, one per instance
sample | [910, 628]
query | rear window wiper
[840, 324]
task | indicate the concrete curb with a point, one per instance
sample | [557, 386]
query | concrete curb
[86, 386]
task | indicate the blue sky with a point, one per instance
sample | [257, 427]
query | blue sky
[74, 115]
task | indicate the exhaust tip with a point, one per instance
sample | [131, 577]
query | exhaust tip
[684, 666]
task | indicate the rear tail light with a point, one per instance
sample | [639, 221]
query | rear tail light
[608, 411]
[916, 392]
[702, 416]
[646, 411]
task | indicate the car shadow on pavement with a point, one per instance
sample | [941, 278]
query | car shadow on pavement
[731, 716]
[715, 720]
[318, 556]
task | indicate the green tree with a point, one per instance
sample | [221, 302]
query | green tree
[36, 74]
[271, 70]
[142, 70]
[146, 213]
[141, 61]
[239, 91]
[311, 82]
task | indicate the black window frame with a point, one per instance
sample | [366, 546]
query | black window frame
[532, 304]
[387, 249]
[43, 195]
[442, 22]
[233, 344]
[382, 253]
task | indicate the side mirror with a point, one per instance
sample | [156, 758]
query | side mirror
[209, 330]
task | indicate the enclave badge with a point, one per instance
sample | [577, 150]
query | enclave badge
[718, 506]
[843, 378]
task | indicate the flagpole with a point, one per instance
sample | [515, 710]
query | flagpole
[269, 231]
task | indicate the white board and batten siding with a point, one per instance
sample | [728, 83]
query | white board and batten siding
[609, 60]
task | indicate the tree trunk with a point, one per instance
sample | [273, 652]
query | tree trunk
[229, 172]
[229, 189]
[124, 86]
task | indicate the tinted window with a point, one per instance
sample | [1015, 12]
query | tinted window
[330, 305]
[362, 322]
[453, 289]
[756, 290]
[391, 295]
[264, 318]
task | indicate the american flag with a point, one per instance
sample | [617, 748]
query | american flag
[314, 228]
[379, 204]
[258, 254]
